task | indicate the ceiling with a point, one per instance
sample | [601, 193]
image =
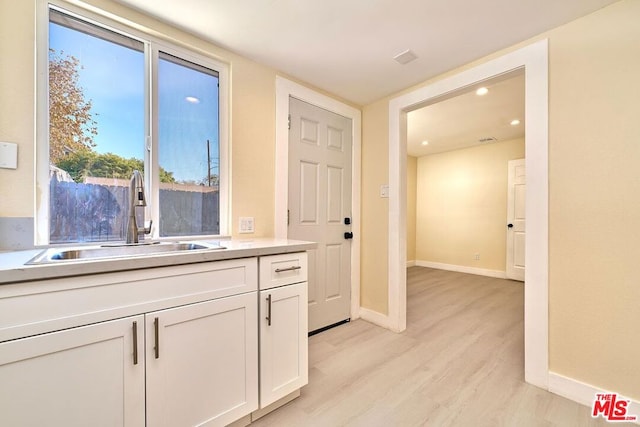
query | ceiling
[466, 118]
[346, 47]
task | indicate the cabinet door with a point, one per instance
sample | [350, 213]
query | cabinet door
[283, 341]
[202, 362]
[85, 376]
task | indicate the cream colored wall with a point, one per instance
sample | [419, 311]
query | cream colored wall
[375, 210]
[594, 220]
[412, 176]
[462, 205]
[252, 101]
[594, 209]
[16, 105]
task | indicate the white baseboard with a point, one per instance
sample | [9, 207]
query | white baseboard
[584, 393]
[375, 317]
[411, 263]
[463, 269]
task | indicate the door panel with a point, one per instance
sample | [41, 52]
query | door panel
[334, 257]
[309, 131]
[335, 184]
[516, 184]
[319, 200]
[309, 198]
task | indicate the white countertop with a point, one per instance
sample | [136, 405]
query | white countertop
[13, 268]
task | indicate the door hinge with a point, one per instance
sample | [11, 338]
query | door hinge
[289, 122]
[287, 216]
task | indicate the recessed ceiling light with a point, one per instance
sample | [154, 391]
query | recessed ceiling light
[482, 91]
[192, 99]
[515, 122]
[425, 142]
[405, 57]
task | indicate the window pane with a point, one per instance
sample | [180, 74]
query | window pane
[96, 128]
[188, 148]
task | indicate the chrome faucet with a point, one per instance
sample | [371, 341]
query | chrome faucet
[136, 199]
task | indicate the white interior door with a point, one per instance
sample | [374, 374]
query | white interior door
[516, 184]
[320, 205]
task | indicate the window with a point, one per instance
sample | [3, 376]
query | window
[188, 147]
[118, 101]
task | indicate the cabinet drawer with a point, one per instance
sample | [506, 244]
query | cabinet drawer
[48, 305]
[279, 270]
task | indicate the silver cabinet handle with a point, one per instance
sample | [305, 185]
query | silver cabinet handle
[135, 343]
[292, 268]
[156, 333]
[268, 310]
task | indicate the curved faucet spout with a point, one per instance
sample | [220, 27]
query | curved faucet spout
[136, 199]
[136, 190]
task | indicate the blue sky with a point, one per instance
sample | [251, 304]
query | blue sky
[113, 78]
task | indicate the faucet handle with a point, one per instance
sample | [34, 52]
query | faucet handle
[147, 227]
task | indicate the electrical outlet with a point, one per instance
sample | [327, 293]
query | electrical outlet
[8, 155]
[476, 257]
[246, 224]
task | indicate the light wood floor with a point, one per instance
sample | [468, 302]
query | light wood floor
[459, 363]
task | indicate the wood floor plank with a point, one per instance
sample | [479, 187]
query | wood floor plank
[460, 362]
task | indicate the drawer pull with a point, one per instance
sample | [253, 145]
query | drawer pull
[135, 343]
[293, 268]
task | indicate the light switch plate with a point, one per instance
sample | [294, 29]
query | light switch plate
[246, 224]
[384, 191]
[8, 155]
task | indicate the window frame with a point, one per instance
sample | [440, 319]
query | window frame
[153, 44]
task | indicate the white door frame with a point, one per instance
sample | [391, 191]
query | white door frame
[534, 59]
[284, 89]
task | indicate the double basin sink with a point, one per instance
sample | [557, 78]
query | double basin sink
[56, 255]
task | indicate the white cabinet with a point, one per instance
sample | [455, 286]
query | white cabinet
[202, 362]
[283, 342]
[201, 369]
[190, 359]
[283, 326]
[195, 344]
[85, 376]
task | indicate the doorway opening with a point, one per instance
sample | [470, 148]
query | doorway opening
[534, 60]
[459, 151]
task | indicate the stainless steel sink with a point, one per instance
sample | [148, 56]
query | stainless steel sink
[55, 255]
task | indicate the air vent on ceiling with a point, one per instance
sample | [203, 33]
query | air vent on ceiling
[487, 139]
[405, 57]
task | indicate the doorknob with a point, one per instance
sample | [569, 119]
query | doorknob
[510, 225]
[348, 235]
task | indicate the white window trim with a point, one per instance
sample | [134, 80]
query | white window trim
[153, 44]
